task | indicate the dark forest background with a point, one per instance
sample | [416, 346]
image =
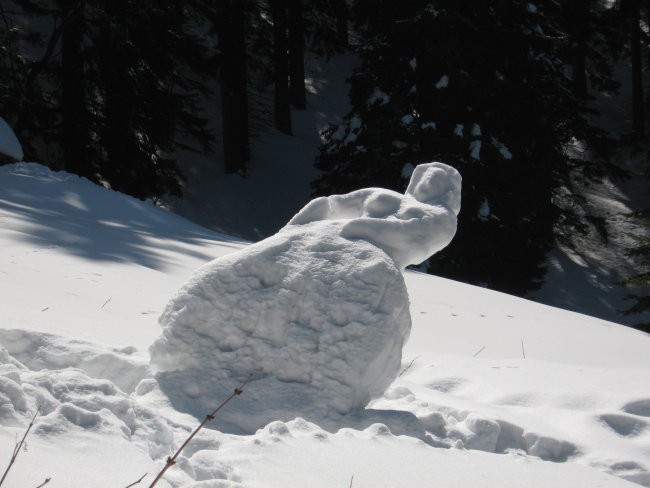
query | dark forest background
[112, 89]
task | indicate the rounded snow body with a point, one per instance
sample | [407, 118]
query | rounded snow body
[319, 319]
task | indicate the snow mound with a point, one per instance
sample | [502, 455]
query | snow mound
[319, 312]
[9, 145]
[319, 319]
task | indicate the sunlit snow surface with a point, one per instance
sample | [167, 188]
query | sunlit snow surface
[85, 273]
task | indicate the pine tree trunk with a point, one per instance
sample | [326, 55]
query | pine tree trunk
[576, 15]
[118, 142]
[233, 83]
[580, 36]
[282, 105]
[638, 105]
[342, 22]
[297, 55]
[74, 128]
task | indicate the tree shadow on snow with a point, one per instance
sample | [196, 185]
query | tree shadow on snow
[95, 223]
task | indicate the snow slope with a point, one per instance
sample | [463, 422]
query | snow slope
[494, 390]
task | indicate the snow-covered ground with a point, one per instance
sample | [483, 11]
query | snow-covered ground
[493, 390]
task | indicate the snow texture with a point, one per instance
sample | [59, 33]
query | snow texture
[475, 149]
[319, 312]
[505, 152]
[442, 82]
[484, 211]
[9, 145]
[378, 96]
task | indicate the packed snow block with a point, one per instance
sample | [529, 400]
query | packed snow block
[318, 312]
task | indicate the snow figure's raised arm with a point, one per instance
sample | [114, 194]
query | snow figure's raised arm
[424, 222]
[333, 207]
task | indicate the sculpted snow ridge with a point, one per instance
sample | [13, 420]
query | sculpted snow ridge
[409, 227]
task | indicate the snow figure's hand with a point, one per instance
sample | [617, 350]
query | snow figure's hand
[436, 184]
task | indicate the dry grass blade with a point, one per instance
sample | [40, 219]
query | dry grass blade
[136, 482]
[47, 480]
[19, 446]
[208, 418]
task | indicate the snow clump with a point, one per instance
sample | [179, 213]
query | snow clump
[319, 312]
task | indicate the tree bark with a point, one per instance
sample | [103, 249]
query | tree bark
[120, 167]
[342, 22]
[297, 55]
[638, 105]
[282, 101]
[233, 85]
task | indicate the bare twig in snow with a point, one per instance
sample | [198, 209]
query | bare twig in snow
[208, 418]
[47, 480]
[351, 480]
[19, 445]
[408, 367]
[136, 482]
[106, 302]
[523, 351]
[478, 352]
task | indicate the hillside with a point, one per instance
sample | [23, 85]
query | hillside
[513, 389]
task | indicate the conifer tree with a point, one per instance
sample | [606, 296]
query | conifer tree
[230, 18]
[74, 135]
[282, 100]
[110, 90]
[480, 85]
[297, 55]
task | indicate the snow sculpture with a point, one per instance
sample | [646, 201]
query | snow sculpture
[319, 311]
